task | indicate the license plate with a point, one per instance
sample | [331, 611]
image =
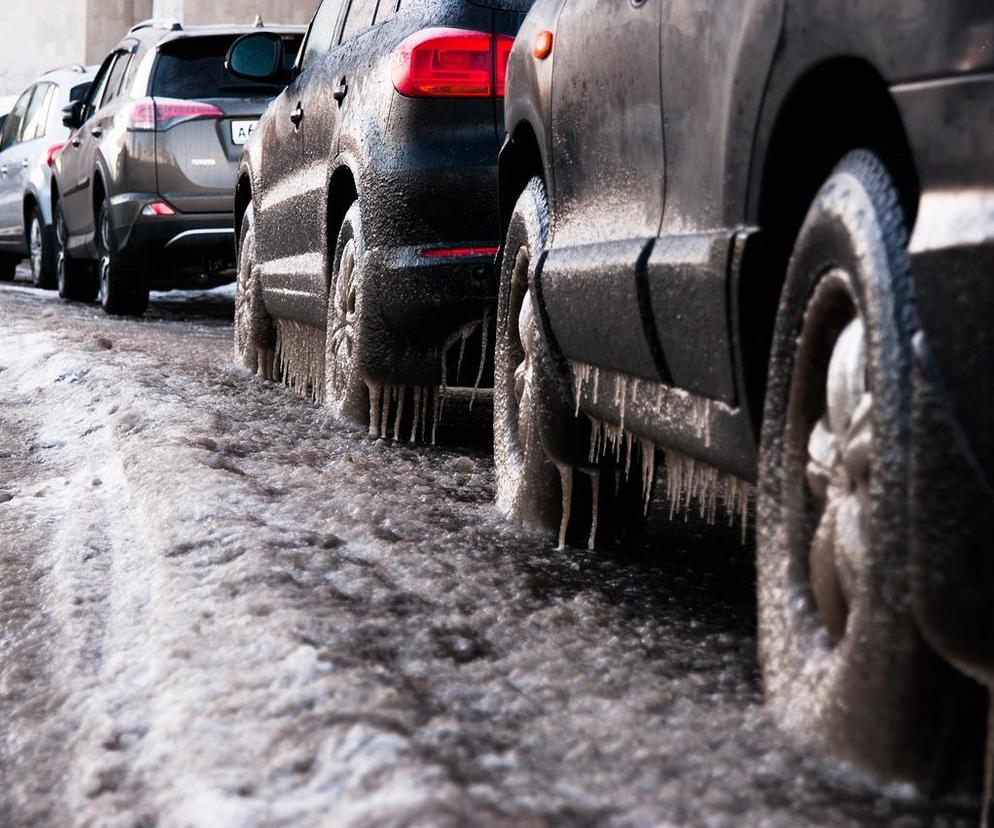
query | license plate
[241, 131]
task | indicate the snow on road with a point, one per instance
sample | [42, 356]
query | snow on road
[220, 608]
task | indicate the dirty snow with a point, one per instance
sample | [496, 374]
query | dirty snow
[219, 608]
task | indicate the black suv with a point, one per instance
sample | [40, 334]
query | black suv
[366, 205]
[756, 240]
[143, 189]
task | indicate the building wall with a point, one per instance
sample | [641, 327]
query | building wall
[36, 35]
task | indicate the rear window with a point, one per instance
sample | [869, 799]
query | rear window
[193, 68]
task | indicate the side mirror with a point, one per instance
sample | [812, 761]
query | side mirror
[72, 115]
[257, 56]
[79, 92]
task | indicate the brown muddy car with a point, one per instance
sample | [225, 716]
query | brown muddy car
[143, 191]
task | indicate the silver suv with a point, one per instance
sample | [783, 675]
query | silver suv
[32, 135]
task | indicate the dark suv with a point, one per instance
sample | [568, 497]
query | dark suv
[143, 189]
[756, 241]
[366, 205]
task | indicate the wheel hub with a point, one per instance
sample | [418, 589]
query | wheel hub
[524, 373]
[36, 249]
[838, 476]
[343, 310]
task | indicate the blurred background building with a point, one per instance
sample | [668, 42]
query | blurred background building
[36, 35]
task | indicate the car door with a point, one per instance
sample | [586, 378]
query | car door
[608, 184]
[715, 57]
[75, 167]
[10, 173]
[290, 211]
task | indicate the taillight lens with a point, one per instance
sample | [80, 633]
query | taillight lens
[52, 154]
[150, 114]
[458, 252]
[158, 209]
[451, 63]
[503, 54]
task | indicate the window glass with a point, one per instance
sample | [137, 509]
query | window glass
[115, 79]
[97, 90]
[386, 10]
[322, 33]
[45, 125]
[33, 117]
[13, 126]
[359, 18]
[193, 69]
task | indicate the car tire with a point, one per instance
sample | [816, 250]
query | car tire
[255, 333]
[529, 485]
[41, 251]
[75, 278]
[122, 292]
[345, 389]
[844, 665]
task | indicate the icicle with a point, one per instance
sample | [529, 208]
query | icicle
[595, 485]
[648, 472]
[597, 382]
[462, 354]
[437, 414]
[417, 414]
[424, 411]
[400, 413]
[375, 395]
[628, 453]
[385, 415]
[566, 481]
[300, 354]
[484, 344]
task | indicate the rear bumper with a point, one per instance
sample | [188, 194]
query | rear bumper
[418, 308]
[172, 248]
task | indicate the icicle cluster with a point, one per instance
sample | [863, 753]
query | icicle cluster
[688, 480]
[462, 336]
[300, 356]
[386, 401]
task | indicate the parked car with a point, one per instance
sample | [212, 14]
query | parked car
[31, 137]
[143, 188]
[756, 240]
[366, 205]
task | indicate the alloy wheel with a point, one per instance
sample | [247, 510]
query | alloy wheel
[343, 319]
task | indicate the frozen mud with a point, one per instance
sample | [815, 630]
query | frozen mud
[219, 608]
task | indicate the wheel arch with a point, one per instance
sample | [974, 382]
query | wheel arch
[343, 192]
[27, 208]
[831, 109]
[243, 196]
[520, 160]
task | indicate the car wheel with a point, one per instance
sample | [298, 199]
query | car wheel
[529, 486]
[255, 334]
[122, 292]
[41, 253]
[844, 664]
[75, 278]
[345, 390]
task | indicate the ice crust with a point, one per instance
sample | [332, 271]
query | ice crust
[218, 607]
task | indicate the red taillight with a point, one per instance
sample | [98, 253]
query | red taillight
[158, 209]
[52, 154]
[504, 45]
[162, 113]
[458, 252]
[451, 63]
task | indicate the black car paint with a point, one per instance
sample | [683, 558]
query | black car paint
[136, 168]
[759, 100]
[424, 172]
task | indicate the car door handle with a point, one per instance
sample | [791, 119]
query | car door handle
[75, 140]
[97, 132]
[3, 170]
[297, 116]
[341, 91]
[25, 164]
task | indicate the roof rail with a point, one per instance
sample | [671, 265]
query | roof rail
[69, 67]
[171, 25]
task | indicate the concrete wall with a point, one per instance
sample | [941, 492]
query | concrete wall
[36, 35]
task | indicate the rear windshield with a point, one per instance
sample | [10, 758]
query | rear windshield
[193, 68]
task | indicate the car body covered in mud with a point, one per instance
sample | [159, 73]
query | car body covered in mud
[393, 111]
[758, 239]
